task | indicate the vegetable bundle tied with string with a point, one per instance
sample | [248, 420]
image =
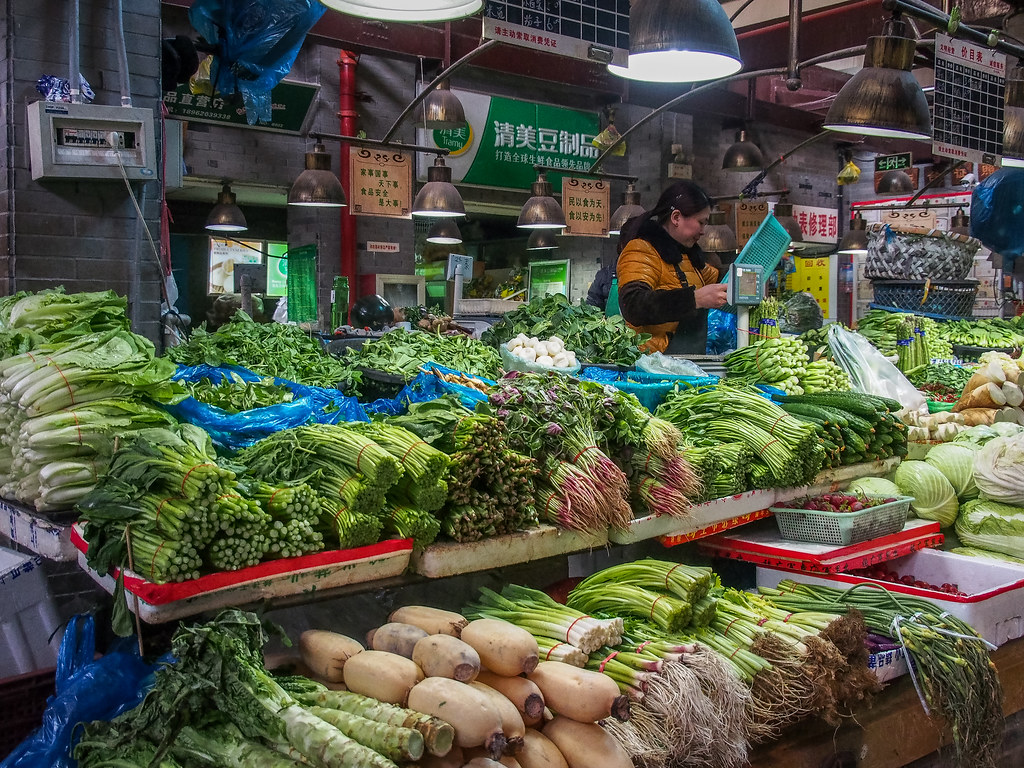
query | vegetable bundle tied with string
[779, 362]
[951, 668]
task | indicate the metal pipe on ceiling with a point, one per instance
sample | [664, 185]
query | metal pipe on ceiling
[793, 74]
[347, 114]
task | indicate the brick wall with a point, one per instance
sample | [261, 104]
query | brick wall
[83, 235]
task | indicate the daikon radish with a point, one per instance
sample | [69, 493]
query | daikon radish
[985, 396]
[433, 621]
[325, 653]
[476, 722]
[540, 752]
[447, 656]
[385, 676]
[454, 759]
[522, 692]
[512, 724]
[988, 374]
[586, 745]
[1008, 414]
[975, 416]
[504, 648]
[1013, 394]
[396, 637]
[582, 694]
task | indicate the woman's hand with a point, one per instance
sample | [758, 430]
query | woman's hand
[710, 296]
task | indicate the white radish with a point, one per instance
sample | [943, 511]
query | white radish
[386, 677]
[504, 648]
[396, 637]
[1012, 392]
[511, 721]
[582, 694]
[325, 653]
[520, 691]
[468, 711]
[447, 656]
[540, 752]
[585, 745]
[541, 348]
[433, 621]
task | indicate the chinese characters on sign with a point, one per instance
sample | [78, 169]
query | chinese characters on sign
[818, 225]
[748, 218]
[595, 30]
[917, 217]
[585, 202]
[290, 104]
[380, 183]
[522, 143]
[899, 162]
[969, 84]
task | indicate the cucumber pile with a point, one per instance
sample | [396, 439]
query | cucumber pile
[853, 427]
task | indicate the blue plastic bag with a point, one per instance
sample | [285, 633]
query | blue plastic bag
[258, 41]
[233, 431]
[86, 690]
[427, 387]
[721, 332]
[997, 213]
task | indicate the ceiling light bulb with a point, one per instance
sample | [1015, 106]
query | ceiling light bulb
[444, 232]
[680, 41]
[895, 183]
[783, 213]
[541, 240]
[226, 216]
[884, 98]
[960, 223]
[541, 211]
[406, 10]
[438, 197]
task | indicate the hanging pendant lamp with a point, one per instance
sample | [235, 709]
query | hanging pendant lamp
[680, 41]
[541, 211]
[1013, 119]
[743, 155]
[317, 186]
[960, 223]
[895, 183]
[438, 197]
[442, 110]
[784, 214]
[541, 240]
[855, 241]
[444, 232]
[406, 10]
[883, 99]
[718, 236]
[226, 216]
[630, 207]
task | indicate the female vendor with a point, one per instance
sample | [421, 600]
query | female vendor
[666, 283]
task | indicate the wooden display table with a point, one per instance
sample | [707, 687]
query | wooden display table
[892, 733]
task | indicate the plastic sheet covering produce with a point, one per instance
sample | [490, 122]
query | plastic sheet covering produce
[258, 42]
[649, 388]
[869, 371]
[997, 212]
[87, 690]
[429, 386]
[237, 430]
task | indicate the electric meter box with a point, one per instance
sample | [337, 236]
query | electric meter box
[86, 141]
[744, 284]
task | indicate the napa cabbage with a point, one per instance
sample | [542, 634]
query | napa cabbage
[990, 525]
[933, 495]
[956, 463]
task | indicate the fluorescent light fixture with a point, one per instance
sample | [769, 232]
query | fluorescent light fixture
[406, 10]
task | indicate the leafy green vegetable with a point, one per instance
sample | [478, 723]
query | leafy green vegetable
[235, 395]
[58, 316]
[269, 349]
[401, 353]
[584, 329]
[993, 526]
[874, 486]
[986, 555]
[934, 496]
[998, 469]
[956, 462]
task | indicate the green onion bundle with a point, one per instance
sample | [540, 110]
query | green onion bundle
[339, 524]
[406, 522]
[668, 612]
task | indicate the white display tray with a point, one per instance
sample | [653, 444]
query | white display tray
[307, 574]
[449, 558]
[994, 604]
[37, 532]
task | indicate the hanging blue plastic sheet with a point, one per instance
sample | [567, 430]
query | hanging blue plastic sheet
[997, 213]
[257, 41]
[721, 332]
[87, 690]
[233, 431]
[426, 386]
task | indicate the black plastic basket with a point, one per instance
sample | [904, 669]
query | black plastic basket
[950, 299]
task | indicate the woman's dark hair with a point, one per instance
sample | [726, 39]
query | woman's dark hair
[683, 195]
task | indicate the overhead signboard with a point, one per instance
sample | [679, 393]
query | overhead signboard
[290, 103]
[505, 138]
[594, 30]
[585, 204]
[380, 183]
[818, 225]
[897, 162]
[970, 81]
[749, 216]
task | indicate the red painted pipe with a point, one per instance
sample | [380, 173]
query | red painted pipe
[813, 16]
[347, 115]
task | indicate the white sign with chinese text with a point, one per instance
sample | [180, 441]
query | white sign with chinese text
[818, 225]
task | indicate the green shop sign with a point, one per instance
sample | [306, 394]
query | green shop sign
[290, 105]
[505, 138]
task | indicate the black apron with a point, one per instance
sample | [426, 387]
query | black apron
[691, 338]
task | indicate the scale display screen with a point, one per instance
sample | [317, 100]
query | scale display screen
[745, 285]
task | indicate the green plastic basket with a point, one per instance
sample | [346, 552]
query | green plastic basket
[843, 527]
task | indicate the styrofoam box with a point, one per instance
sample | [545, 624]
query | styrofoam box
[994, 604]
[28, 616]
